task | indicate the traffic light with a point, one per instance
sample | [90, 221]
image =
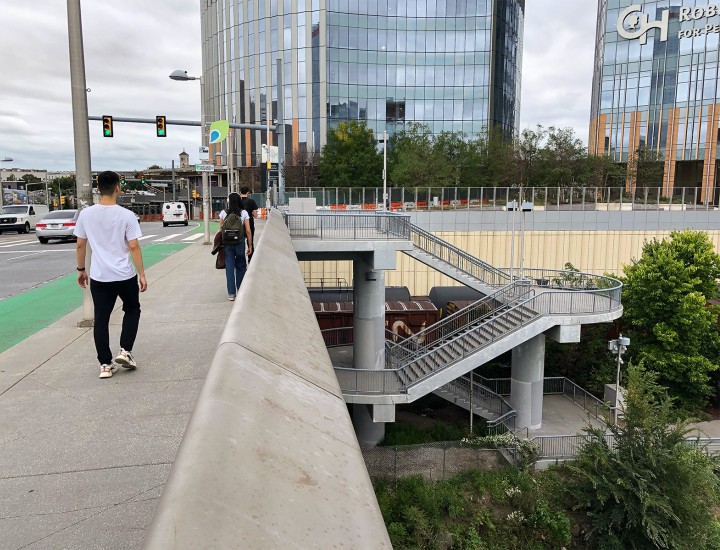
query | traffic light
[107, 126]
[122, 181]
[55, 203]
[160, 126]
[195, 194]
[62, 199]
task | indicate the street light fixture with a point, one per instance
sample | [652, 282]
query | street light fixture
[183, 76]
[618, 347]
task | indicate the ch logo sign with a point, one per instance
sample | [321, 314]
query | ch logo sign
[633, 23]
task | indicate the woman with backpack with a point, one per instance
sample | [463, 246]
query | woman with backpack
[234, 228]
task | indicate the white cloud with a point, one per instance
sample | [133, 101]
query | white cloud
[132, 46]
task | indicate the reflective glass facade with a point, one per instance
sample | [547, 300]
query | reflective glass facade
[655, 87]
[451, 64]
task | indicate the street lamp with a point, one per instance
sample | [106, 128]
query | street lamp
[618, 347]
[183, 76]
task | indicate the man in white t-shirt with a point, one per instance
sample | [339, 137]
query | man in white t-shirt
[113, 233]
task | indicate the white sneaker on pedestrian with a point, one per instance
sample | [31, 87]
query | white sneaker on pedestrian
[106, 371]
[126, 359]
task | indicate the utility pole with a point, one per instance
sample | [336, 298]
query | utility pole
[80, 131]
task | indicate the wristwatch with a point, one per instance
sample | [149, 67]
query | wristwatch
[81, 269]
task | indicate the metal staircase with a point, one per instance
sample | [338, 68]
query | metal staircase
[455, 263]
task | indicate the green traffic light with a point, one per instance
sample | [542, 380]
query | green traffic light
[108, 133]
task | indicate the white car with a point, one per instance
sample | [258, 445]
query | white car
[21, 217]
[174, 212]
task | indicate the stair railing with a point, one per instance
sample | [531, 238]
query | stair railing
[443, 250]
[408, 349]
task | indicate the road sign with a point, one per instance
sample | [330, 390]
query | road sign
[204, 167]
[158, 184]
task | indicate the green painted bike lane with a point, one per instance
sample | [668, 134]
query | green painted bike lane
[33, 310]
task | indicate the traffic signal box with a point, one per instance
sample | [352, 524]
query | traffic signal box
[62, 199]
[107, 126]
[160, 126]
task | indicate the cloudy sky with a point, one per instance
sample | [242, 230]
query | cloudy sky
[132, 46]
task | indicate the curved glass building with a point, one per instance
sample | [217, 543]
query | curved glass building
[450, 64]
[655, 88]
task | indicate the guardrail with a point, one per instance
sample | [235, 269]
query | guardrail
[270, 451]
[549, 302]
[441, 249]
[370, 226]
[498, 198]
[458, 322]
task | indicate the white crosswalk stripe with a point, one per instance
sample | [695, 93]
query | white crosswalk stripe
[193, 237]
[19, 243]
[146, 237]
[167, 238]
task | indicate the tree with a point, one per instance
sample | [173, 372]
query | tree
[30, 178]
[410, 155]
[650, 488]
[302, 170]
[674, 333]
[645, 168]
[351, 157]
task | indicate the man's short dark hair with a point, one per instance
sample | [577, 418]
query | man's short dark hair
[107, 181]
[244, 190]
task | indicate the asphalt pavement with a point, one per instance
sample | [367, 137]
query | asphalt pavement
[83, 460]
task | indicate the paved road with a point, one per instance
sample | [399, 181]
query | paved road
[39, 285]
[26, 264]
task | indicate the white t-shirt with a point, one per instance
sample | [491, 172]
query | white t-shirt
[243, 215]
[108, 229]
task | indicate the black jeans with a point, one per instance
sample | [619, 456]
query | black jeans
[104, 296]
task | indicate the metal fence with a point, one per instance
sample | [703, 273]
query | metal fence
[327, 225]
[434, 461]
[458, 258]
[498, 198]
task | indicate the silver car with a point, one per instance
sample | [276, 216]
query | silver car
[59, 224]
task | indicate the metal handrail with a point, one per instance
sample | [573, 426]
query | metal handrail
[467, 263]
[460, 321]
[353, 225]
[548, 302]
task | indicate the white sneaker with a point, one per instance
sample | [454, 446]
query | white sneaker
[106, 371]
[125, 359]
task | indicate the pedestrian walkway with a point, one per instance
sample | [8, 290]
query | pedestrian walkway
[83, 460]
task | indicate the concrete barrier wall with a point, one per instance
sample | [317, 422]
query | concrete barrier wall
[269, 458]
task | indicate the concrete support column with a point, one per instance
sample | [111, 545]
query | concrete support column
[526, 384]
[369, 433]
[369, 340]
[369, 316]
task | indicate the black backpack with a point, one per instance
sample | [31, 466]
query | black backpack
[233, 231]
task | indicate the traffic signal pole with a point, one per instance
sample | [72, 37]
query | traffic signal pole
[80, 131]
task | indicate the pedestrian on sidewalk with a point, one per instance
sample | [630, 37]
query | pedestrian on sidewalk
[235, 263]
[113, 233]
[251, 207]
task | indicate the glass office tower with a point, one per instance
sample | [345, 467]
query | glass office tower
[449, 64]
[655, 89]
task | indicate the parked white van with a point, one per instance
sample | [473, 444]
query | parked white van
[21, 217]
[174, 212]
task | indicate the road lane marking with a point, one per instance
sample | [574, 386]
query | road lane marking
[167, 238]
[25, 255]
[193, 237]
[146, 237]
[33, 241]
[41, 252]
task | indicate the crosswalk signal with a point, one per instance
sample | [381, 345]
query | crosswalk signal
[160, 126]
[107, 126]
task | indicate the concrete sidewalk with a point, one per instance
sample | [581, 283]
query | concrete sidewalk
[83, 460]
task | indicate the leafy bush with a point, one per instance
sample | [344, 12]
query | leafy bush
[651, 489]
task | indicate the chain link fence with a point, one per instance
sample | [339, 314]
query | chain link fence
[434, 461]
